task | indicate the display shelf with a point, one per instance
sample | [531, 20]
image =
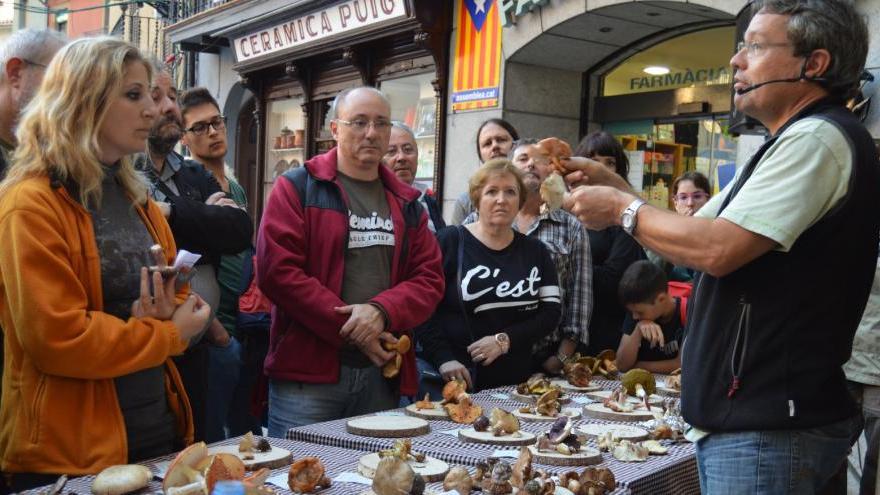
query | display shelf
[632, 143]
[287, 150]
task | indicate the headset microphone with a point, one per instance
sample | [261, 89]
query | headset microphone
[802, 77]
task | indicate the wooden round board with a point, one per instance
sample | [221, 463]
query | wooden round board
[667, 391]
[623, 432]
[431, 469]
[568, 411]
[437, 413]
[585, 457]
[653, 399]
[516, 439]
[599, 411]
[531, 399]
[387, 426]
[275, 458]
[564, 385]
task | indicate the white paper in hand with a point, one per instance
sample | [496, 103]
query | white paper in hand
[186, 260]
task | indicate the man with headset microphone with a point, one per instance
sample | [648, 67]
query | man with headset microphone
[775, 416]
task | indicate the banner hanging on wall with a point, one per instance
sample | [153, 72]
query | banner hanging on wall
[476, 76]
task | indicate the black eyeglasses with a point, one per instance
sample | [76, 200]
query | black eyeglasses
[218, 123]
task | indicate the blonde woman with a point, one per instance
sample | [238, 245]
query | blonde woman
[84, 383]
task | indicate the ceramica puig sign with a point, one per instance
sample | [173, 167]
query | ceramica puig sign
[319, 25]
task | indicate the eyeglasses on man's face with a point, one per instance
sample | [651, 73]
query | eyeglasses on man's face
[755, 49]
[361, 125]
[696, 196]
[218, 123]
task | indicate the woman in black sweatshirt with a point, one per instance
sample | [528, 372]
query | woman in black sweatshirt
[501, 289]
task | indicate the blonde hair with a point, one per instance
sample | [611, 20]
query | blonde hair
[58, 132]
[499, 166]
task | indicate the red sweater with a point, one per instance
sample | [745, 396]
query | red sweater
[300, 263]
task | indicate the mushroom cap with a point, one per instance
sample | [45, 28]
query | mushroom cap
[392, 367]
[404, 344]
[560, 429]
[548, 403]
[638, 376]
[458, 479]
[464, 411]
[393, 477]
[223, 467]
[181, 470]
[607, 354]
[503, 421]
[116, 480]
[305, 475]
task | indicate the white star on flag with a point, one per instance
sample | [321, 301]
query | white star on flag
[481, 5]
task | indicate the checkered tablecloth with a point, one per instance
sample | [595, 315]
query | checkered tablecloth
[340, 451]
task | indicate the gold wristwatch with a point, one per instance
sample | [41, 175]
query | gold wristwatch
[503, 342]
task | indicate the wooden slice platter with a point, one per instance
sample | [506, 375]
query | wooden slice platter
[568, 411]
[387, 426]
[653, 399]
[623, 432]
[431, 469]
[517, 439]
[564, 385]
[531, 399]
[599, 411]
[585, 457]
[437, 413]
[275, 458]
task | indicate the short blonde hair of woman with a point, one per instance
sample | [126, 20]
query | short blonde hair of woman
[496, 166]
[58, 131]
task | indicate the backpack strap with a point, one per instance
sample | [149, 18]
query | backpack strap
[301, 180]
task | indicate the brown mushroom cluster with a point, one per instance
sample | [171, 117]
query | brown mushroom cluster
[628, 451]
[537, 385]
[604, 365]
[496, 477]
[425, 403]
[499, 422]
[673, 381]
[546, 405]
[402, 449]
[392, 367]
[194, 471]
[458, 404]
[249, 445]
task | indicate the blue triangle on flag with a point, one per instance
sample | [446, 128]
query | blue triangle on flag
[478, 10]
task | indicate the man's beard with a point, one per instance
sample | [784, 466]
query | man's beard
[162, 143]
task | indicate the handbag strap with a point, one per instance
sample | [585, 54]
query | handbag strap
[464, 313]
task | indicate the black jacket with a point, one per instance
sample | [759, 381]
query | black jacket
[208, 230]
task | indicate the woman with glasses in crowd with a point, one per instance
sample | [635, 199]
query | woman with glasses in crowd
[87, 382]
[501, 293]
[690, 192]
[612, 249]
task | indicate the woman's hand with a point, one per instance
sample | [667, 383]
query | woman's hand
[485, 351]
[161, 304]
[453, 370]
[191, 317]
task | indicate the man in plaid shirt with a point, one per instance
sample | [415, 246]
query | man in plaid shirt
[569, 246]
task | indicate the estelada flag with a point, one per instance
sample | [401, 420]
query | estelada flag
[477, 67]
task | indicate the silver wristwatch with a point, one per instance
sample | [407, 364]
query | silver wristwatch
[628, 217]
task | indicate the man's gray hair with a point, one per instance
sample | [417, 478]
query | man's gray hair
[340, 98]
[405, 128]
[830, 24]
[32, 45]
[526, 141]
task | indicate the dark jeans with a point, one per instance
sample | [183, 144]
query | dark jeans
[868, 398]
[234, 371]
[193, 368]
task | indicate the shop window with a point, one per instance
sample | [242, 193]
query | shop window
[285, 140]
[414, 103]
[696, 59]
[661, 152]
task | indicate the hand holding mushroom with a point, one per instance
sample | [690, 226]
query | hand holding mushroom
[553, 188]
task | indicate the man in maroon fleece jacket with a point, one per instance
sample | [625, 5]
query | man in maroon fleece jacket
[345, 255]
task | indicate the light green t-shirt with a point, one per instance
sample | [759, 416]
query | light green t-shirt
[864, 364]
[801, 178]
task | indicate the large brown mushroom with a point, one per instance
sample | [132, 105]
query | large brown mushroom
[458, 479]
[548, 403]
[639, 383]
[597, 481]
[463, 411]
[453, 389]
[307, 475]
[502, 422]
[396, 477]
[522, 469]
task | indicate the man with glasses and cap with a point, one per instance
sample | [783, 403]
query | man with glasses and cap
[202, 219]
[346, 257]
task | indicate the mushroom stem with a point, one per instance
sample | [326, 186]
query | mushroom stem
[640, 391]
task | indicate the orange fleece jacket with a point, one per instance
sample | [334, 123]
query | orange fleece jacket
[60, 413]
